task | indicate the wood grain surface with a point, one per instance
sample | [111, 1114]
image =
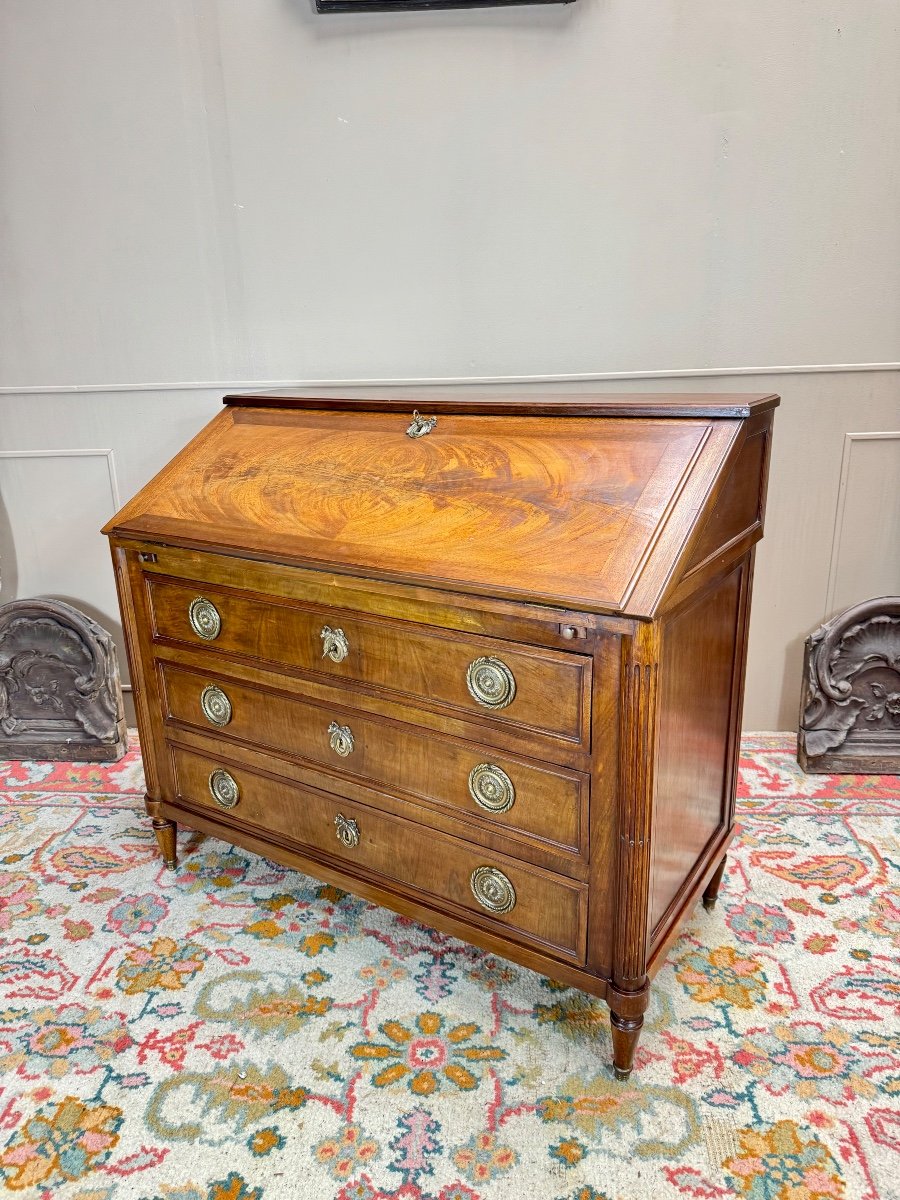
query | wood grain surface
[563, 510]
[605, 561]
[534, 403]
[551, 687]
[700, 644]
[548, 804]
[549, 909]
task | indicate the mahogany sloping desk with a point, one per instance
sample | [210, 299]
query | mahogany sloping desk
[477, 659]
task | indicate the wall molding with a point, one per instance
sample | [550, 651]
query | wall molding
[106, 453]
[850, 439]
[218, 385]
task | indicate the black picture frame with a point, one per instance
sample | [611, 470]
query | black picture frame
[357, 6]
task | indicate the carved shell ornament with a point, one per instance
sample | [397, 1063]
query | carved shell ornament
[60, 695]
[889, 705]
[839, 686]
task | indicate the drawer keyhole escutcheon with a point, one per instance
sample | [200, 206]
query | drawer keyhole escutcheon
[334, 644]
[204, 618]
[420, 425]
[491, 682]
[493, 890]
[216, 705]
[347, 831]
[491, 788]
[224, 789]
[341, 739]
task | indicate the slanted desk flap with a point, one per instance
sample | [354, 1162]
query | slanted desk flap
[556, 509]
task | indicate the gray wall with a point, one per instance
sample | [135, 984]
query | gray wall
[197, 195]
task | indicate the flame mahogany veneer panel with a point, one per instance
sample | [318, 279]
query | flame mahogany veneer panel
[564, 510]
[693, 777]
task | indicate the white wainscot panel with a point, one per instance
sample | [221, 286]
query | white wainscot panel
[865, 558]
[53, 505]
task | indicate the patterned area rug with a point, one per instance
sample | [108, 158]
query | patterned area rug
[236, 1031]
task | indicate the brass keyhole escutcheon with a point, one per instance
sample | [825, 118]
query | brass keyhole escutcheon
[491, 682]
[216, 705]
[420, 425]
[491, 788]
[347, 831]
[334, 644]
[493, 890]
[224, 788]
[341, 739]
[204, 618]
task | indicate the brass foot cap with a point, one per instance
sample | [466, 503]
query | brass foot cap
[709, 905]
[622, 1073]
[171, 864]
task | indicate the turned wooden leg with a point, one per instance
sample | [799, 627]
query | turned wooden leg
[165, 834]
[625, 1034]
[712, 888]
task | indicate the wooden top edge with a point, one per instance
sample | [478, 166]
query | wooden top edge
[135, 536]
[729, 405]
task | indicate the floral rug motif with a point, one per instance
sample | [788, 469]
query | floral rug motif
[238, 1031]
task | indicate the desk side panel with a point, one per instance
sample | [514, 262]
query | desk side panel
[701, 682]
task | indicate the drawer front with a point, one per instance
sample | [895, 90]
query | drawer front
[509, 792]
[533, 688]
[499, 892]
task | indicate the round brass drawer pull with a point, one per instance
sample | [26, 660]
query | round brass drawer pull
[224, 788]
[204, 618]
[493, 890]
[491, 682]
[334, 644]
[491, 788]
[341, 739]
[347, 831]
[216, 705]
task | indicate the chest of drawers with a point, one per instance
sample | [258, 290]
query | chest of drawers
[477, 659]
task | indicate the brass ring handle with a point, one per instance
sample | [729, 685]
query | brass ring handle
[347, 831]
[334, 644]
[215, 705]
[491, 788]
[224, 788]
[204, 618]
[491, 682]
[493, 890]
[341, 739]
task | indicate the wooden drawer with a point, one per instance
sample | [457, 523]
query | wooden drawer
[537, 689]
[503, 790]
[542, 908]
